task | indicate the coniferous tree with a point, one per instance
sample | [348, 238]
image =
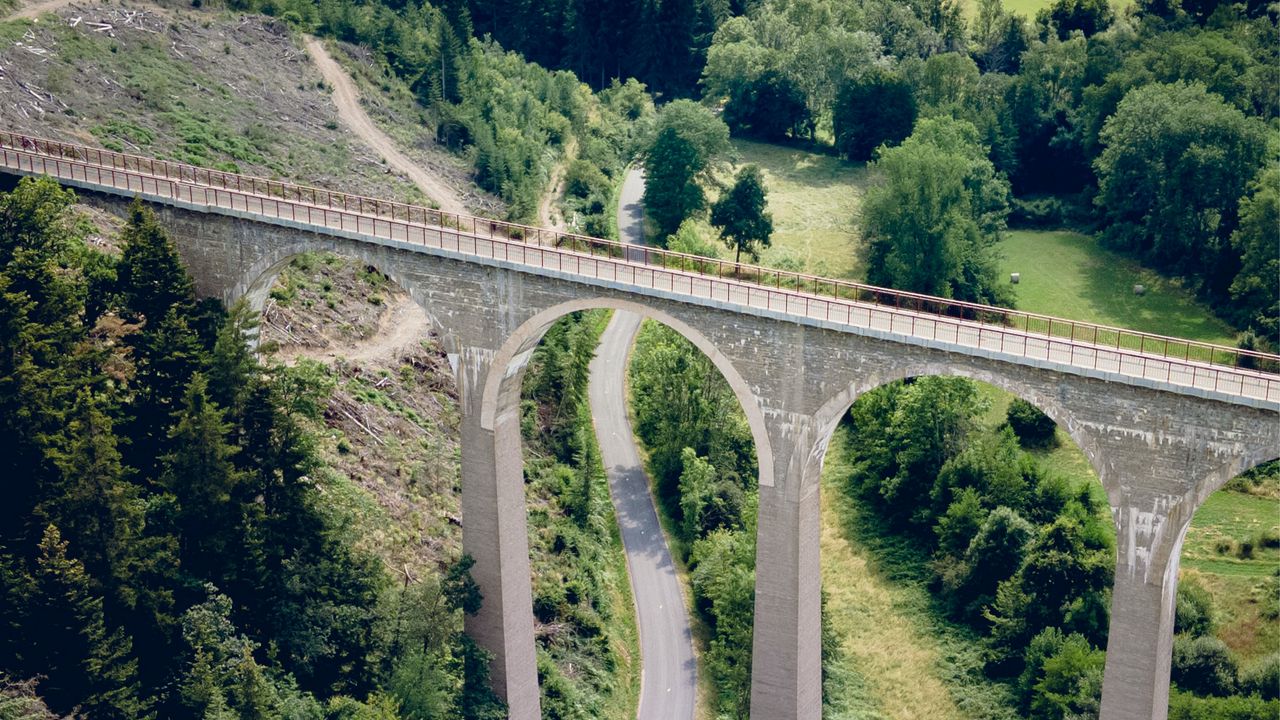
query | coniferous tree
[40, 307]
[151, 278]
[155, 288]
[232, 366]
[96, 509]
[167, 352]
[87, 664]
[201, 475]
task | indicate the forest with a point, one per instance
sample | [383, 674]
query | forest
[165, 550]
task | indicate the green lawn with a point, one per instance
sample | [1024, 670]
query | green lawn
[899, 659]
[813, 198]
[1028, 8]
[1067, 275]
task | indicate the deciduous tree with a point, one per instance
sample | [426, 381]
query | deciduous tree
[742, 216]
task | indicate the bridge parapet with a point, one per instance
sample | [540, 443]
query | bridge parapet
[1219, 371]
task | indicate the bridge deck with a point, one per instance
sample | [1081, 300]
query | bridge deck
[1175, 364]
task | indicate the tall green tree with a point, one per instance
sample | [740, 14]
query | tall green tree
[41, 302]
[88, 664]
[935, 215]
[1176, 163]
[1255, 290]
[742, 216]
[97, 510]
[876, 109]
[687, 142]
[201, 475]
[151, 278]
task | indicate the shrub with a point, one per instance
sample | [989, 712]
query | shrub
[583, 179]
[1194, 613]
[1033, 428]
[1184, 706]
[1245, 550]
[1263, 679]
[1203, 665]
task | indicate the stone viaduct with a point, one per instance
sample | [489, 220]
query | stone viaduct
[1159, 445]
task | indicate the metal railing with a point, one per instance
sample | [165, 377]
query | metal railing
[1099, 347]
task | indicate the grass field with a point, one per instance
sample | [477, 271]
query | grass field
[1066, 274]
[899, 659]
[1028, 8]
[813, 198]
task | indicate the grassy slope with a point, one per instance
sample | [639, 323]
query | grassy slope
[202, 87]
[900, 658]
[813, 198]
[1066, 274]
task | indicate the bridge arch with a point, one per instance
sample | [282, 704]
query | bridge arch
[831, 412]
[502, 387]
[255, 284]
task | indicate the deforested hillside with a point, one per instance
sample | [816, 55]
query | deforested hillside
[215, 89]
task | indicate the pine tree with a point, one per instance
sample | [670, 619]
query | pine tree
[98, 511]
[87, 665]
[167, 354]
[40, 307]
[151, 278]
[232, 366]
[200, 473]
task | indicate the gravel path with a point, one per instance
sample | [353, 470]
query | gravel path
[347, 98]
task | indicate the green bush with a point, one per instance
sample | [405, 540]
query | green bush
[584, 179]
[1194, 613]
[1203, 665]
[1263, 679]
[1185, 706]
[1033, 428]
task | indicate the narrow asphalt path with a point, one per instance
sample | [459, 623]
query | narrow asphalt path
[669, 684]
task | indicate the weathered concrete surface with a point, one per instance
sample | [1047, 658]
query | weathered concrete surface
[1158, 451]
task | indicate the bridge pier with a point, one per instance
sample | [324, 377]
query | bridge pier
[495, 534]
[786, 657]
[1150, 528]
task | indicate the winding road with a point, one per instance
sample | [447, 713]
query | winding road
[669, 674]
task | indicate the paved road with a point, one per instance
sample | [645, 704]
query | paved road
[666, 645]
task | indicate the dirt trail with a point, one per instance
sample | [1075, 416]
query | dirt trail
[555, 190]
[400, 327]
[347, 98]
[35, 10]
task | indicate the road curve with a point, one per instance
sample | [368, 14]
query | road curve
[669, 672]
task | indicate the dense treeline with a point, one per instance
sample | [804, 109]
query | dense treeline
[1020, 555]
[1152, 126]
[574, 542]
[164, 550]
[661, 43]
